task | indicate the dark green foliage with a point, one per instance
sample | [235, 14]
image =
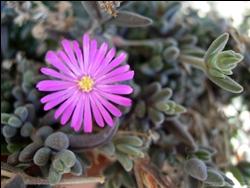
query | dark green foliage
[214, 178]
[196, 168]
[42, 156]
[57, 141]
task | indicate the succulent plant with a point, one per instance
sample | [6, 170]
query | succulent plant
[173, 135]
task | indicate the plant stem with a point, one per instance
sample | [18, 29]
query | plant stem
[7, 173]
[28, 180]
[78, 180]
[10, 172]
[194, 61]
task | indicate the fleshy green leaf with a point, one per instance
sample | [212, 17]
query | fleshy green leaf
[125, 161]
[8, 131]
[171, 53]
[152, 88]
[127, 179]
[14, 122]
[67, 157]
[227, 83]
[26, 129]
[155, 63]
[214, 72]
[217, 46]
[5, 118]
[28, 152]
[197, 52]
[58, 165]
[77, 169]
[203, 154]
[162, 95]
[131, 19]
[179, 109]
[170, 107]
[129, 140]
[92, 9]
[108, 148]
[179, 131]
[214, 178]
[14, 147]
[57, 141]
[54, 177]
[130, 150]
[43, 132]
[140, 109]
[227, 72]
[227, 60]
[42, 155]
[196, 168]
[155, 116]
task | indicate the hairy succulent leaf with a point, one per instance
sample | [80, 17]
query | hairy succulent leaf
[214, 178]
[227, 83]
[125, 161]
[196, 168]
[130, 19]
[129, 140]
[57, 141]
[28, 152]
[130, 150]
[217, 46]
[42, 156]
[92, 9]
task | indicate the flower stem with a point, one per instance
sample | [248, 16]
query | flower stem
[194, 61]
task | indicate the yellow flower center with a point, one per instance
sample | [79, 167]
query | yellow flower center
[86, 83]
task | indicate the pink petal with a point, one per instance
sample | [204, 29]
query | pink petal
[116, 89]
[110, 55]
[109, 106]
[67, 61]
[54, 60]
[99, 57]
[117, 71]
[78, 115]
[68, 49]
[79, 55]
[54, 85]
[55, 74]
[87, 117]
[114, 63]
[52, 103]
[116, 98]
[68, 112]
[56, 95]
[72, 99]
[93, 51]
[96, 112]
[104, 113]
[86, 50]
[118, 78]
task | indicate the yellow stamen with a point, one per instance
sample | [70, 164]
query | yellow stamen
[86, 83]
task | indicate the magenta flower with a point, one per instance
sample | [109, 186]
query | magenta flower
[86, 83]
